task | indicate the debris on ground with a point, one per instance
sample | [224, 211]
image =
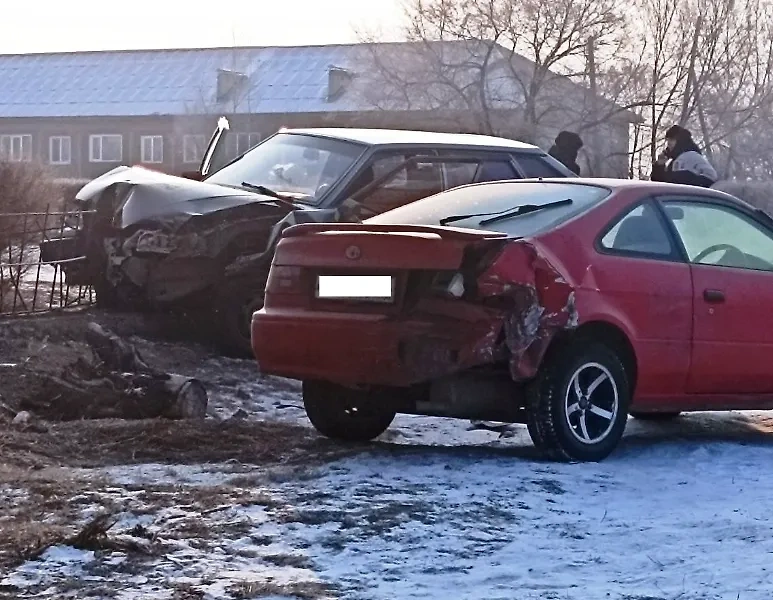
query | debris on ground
[113, 382]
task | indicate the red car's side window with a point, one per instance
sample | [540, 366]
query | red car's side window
[640, 231]
[714, 234]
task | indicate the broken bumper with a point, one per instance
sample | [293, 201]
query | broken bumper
[367, 349]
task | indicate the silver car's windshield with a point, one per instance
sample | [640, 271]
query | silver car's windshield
[303, 166]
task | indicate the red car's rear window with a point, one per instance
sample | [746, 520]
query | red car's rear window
[500, 197]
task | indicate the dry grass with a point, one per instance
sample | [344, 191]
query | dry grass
[25, 188]
[43, 508]
[40, 518]
[304, 590]
[118, 442]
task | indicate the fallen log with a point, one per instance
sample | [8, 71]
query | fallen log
[115, 382]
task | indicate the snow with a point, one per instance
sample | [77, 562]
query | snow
[676, 521]
[662, 518]
[436, 509]
[55, 562]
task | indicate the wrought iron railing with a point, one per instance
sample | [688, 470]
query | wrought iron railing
[27, 284]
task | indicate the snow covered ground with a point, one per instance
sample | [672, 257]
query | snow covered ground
[435, 510]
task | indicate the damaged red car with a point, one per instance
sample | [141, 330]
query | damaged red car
[562, 304]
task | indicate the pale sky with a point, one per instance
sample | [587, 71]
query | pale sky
[66, 25]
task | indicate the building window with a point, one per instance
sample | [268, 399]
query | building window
[59, 150]
[106, 148]
[16, 148]
[193, 148]
[152, 148]
[246, 141]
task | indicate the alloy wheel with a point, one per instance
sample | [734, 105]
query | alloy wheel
[591, 403]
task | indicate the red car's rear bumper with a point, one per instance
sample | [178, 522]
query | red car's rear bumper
[370, 349]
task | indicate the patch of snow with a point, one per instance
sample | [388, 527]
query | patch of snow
[56, 563]
[209, 475]
[677, 520]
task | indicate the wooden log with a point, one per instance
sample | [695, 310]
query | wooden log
[115, 383]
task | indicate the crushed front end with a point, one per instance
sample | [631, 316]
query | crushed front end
[155, 239]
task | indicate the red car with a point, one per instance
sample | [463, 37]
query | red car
[562, 304]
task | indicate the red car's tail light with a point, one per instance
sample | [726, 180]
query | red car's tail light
[284, 280]
[450, 284]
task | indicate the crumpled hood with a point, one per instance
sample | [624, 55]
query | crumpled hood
[148, 195]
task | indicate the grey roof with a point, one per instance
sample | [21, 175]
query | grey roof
[168, 82]
[276, 80]
[398, 136]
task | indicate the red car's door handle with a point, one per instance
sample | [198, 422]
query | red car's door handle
[713, 296]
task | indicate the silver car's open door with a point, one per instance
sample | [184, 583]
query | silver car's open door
[216, 156]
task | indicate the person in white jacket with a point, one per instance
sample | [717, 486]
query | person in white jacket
[682, 161]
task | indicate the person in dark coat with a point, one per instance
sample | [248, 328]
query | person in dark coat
[566, 148]
[682, 161]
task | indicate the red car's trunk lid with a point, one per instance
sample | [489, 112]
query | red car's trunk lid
[377, 247]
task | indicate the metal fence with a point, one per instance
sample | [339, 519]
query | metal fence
[28, 285]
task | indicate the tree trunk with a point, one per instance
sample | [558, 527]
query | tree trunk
[114, 383]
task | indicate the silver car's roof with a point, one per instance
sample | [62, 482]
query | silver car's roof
[384, 137]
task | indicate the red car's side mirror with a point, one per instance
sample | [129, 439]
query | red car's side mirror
[195, 175]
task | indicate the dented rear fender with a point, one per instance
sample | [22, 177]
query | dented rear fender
[537, 300]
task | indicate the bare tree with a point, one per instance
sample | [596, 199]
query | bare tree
[506, 67]
[525, 68]
[706, 65]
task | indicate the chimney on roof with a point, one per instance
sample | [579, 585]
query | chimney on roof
[230, 84]
[338, 80]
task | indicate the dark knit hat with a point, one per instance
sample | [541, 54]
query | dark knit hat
[569, 139]
[676, 132]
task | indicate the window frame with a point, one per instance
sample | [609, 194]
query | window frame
[677, 253]
[10, 137]
[248, 135]
[457, 156]
[744, 211]
[101, 137]
[517, 154]
[186, 140]
[153, 139]
[60, 139]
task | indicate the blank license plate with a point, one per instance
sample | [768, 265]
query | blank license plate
[356, 287]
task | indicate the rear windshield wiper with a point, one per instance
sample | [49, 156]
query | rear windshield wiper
[523, 209]
[262, 189]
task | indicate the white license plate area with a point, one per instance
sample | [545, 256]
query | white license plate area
[372, 288]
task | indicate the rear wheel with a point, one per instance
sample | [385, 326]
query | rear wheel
[656, 416]
[346, 414]
[578, 405]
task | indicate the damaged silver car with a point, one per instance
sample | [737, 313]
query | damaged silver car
[206, 240]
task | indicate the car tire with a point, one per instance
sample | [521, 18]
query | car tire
[233, 309]
[105, 295]
[577, 406]
[109, 297]
[346, 414]
[656, 417]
